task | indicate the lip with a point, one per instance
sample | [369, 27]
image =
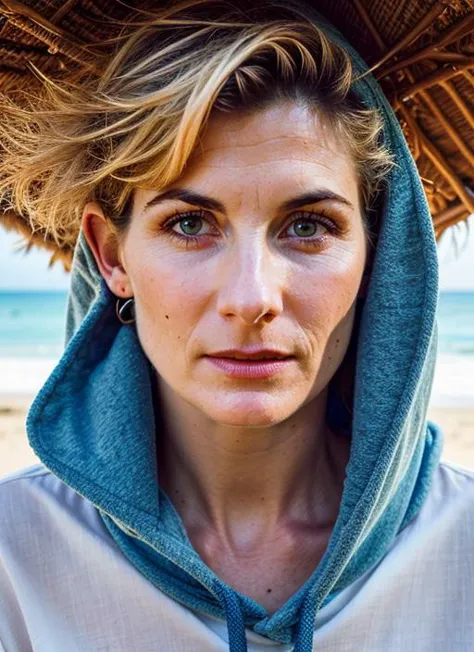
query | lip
[250, 368]
[250, 353]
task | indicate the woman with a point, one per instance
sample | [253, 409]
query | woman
[238, 201]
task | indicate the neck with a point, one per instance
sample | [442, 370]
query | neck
[224, 477]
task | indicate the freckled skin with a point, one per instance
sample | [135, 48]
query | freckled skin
[212, 296]
[253, 460]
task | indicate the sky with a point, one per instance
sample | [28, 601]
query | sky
[30, 272]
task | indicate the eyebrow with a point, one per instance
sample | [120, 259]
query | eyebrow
[196, 199]
[314, 198]
[188, 197]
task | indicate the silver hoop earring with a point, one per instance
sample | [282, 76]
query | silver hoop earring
[125, 311]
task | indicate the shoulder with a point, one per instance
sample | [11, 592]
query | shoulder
[19, 488]
[452, 481]
[448, 510]
[452, 485]
[36, 505]
[26, 488]
[36, 469]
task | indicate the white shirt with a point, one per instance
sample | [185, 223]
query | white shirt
[66, 587]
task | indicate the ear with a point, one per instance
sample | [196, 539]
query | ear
[104, 243]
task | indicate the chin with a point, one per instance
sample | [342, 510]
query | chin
[249, 408]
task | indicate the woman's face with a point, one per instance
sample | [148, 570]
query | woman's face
[260, 244]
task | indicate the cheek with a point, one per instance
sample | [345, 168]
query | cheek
[328, 310]
[168, 300]
[329, 289]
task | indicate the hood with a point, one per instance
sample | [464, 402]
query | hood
[93, 422]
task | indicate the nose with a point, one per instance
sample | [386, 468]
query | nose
[250, 283]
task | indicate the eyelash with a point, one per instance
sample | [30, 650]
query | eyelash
[306, 216]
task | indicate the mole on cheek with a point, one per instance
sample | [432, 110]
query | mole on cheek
[167, 316]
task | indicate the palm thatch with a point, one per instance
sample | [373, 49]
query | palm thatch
[421, 51]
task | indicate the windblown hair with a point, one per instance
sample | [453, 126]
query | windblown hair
[137, 124]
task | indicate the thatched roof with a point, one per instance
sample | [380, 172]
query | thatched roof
[422, 52]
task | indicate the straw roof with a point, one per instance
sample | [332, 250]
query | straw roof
[421, 51]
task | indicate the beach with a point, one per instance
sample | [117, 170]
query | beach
[451, 407]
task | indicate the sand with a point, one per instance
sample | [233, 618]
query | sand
[457, 424]
[15, 451]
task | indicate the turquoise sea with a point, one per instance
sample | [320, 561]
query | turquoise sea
[32, 324]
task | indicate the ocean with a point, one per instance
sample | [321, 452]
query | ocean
[32, 328]
[32, 324]
[456, 323]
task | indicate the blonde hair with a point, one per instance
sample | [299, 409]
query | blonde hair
[137, 124]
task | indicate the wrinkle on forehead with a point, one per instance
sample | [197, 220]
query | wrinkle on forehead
[289, 132]
[332, 166]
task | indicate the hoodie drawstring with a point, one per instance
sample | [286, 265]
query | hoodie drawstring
[236, 625]
[305, 625]
[235, 619]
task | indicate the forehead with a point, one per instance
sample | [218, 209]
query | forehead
[283, 133]
[271, 155]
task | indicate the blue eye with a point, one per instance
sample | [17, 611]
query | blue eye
[190, 222]
[307, 226]
[305, 233]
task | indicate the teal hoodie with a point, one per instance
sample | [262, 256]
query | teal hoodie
[93, 422]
